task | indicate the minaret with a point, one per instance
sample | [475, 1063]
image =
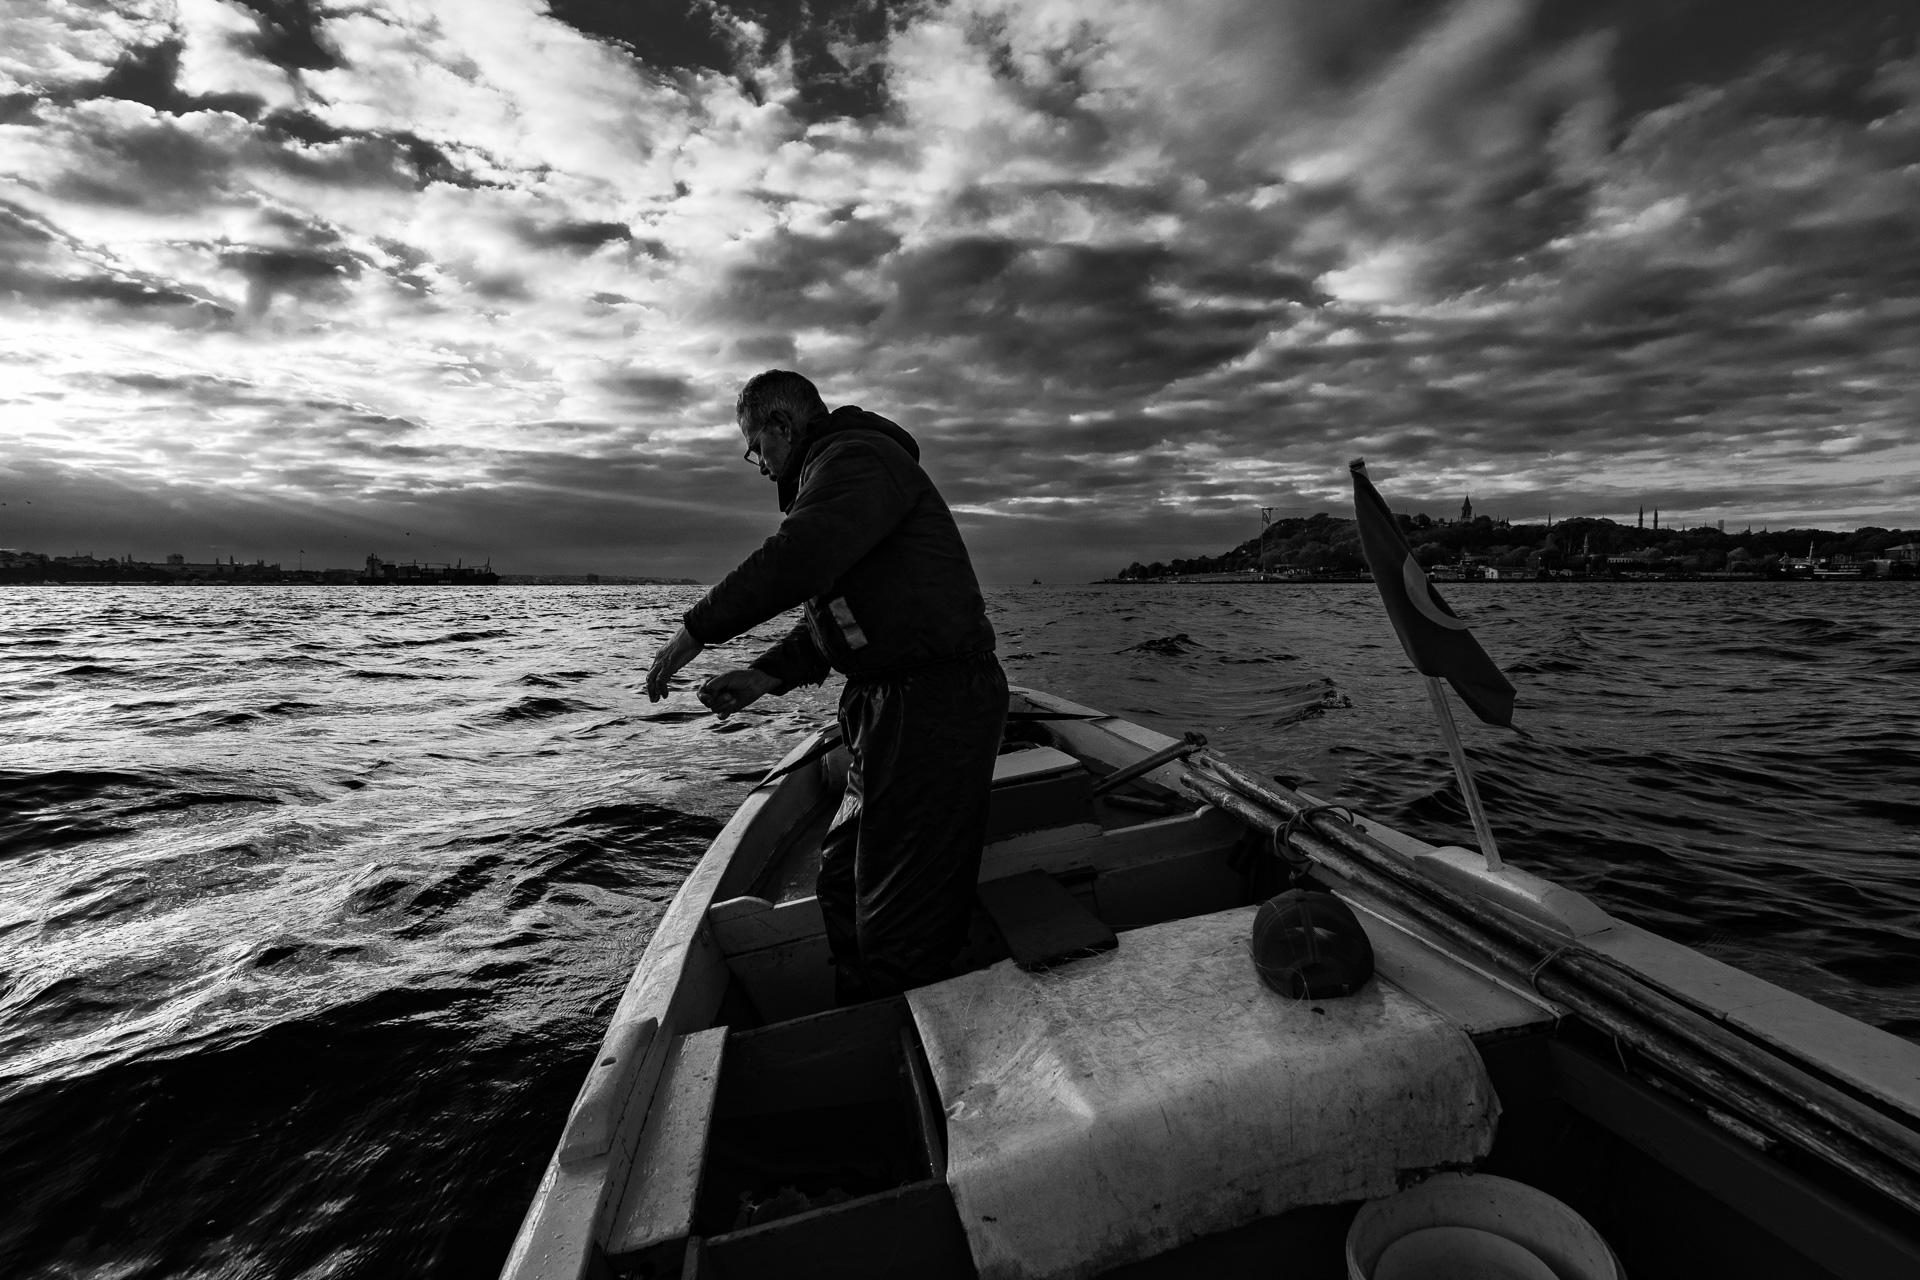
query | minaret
[1656, 519]
[1643, 517]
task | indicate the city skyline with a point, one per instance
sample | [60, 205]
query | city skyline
[1642, 521]
[452, 282]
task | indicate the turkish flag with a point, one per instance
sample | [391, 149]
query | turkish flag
[1436, 640]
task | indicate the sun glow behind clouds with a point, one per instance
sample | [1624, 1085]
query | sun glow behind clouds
[1143, 262]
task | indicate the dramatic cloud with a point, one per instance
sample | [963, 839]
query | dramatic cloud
[280, 277]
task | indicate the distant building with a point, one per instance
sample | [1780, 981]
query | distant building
[417, 573]
[178, 566]
[1466, 510]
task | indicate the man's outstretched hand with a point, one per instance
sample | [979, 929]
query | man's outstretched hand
[732, 691]
[675, 654]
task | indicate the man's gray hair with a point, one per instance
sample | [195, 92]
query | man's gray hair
[778, 389]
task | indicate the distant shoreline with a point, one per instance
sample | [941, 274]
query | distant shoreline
[506, 580]
[1624, 580]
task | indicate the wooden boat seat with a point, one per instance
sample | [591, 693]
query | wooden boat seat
[1118, 1106]
[1040, 818]
[1035, 788]
[824, 1157]
[1041, 922]
[1032, 764]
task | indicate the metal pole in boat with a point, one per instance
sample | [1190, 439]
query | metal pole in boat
[1471, 794]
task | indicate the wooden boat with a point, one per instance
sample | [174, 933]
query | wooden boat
[1109, 1089]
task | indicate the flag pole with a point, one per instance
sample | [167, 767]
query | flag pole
[1451, 733]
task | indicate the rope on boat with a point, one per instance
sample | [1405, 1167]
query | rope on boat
[1771, 1094]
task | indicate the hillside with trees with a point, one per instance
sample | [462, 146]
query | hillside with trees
[1326, 546]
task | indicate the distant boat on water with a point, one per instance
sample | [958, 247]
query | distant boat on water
[416, 573]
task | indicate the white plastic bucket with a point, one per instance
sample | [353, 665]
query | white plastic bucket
[1475, 1224]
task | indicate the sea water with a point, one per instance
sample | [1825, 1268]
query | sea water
[314, 901]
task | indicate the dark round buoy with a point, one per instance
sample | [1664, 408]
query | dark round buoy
[1308, 945]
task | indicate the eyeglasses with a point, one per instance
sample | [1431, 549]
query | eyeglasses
[754, 454]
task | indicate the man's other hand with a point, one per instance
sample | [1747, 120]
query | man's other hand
[732, 691]
[675, 654]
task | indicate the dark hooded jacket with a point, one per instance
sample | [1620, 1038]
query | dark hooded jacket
[869, 548]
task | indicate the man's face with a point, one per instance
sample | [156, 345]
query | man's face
[768, 443]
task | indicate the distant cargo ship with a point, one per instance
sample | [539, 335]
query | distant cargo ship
[414, 573]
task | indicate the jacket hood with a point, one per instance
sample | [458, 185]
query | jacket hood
[846, 418]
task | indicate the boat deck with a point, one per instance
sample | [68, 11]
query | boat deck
[776, 1134]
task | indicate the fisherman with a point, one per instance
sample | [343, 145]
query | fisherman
[870, 549]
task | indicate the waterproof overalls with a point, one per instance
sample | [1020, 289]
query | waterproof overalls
[890, 600]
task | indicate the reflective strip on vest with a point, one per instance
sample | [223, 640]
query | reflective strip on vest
[849, 625]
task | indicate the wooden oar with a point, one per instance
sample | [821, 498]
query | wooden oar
[1188, 744]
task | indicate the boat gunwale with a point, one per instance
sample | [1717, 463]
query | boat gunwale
[559, 1237]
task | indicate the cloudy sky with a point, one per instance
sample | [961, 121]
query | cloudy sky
[479, 278]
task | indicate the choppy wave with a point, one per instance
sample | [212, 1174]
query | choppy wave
[313, 904]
